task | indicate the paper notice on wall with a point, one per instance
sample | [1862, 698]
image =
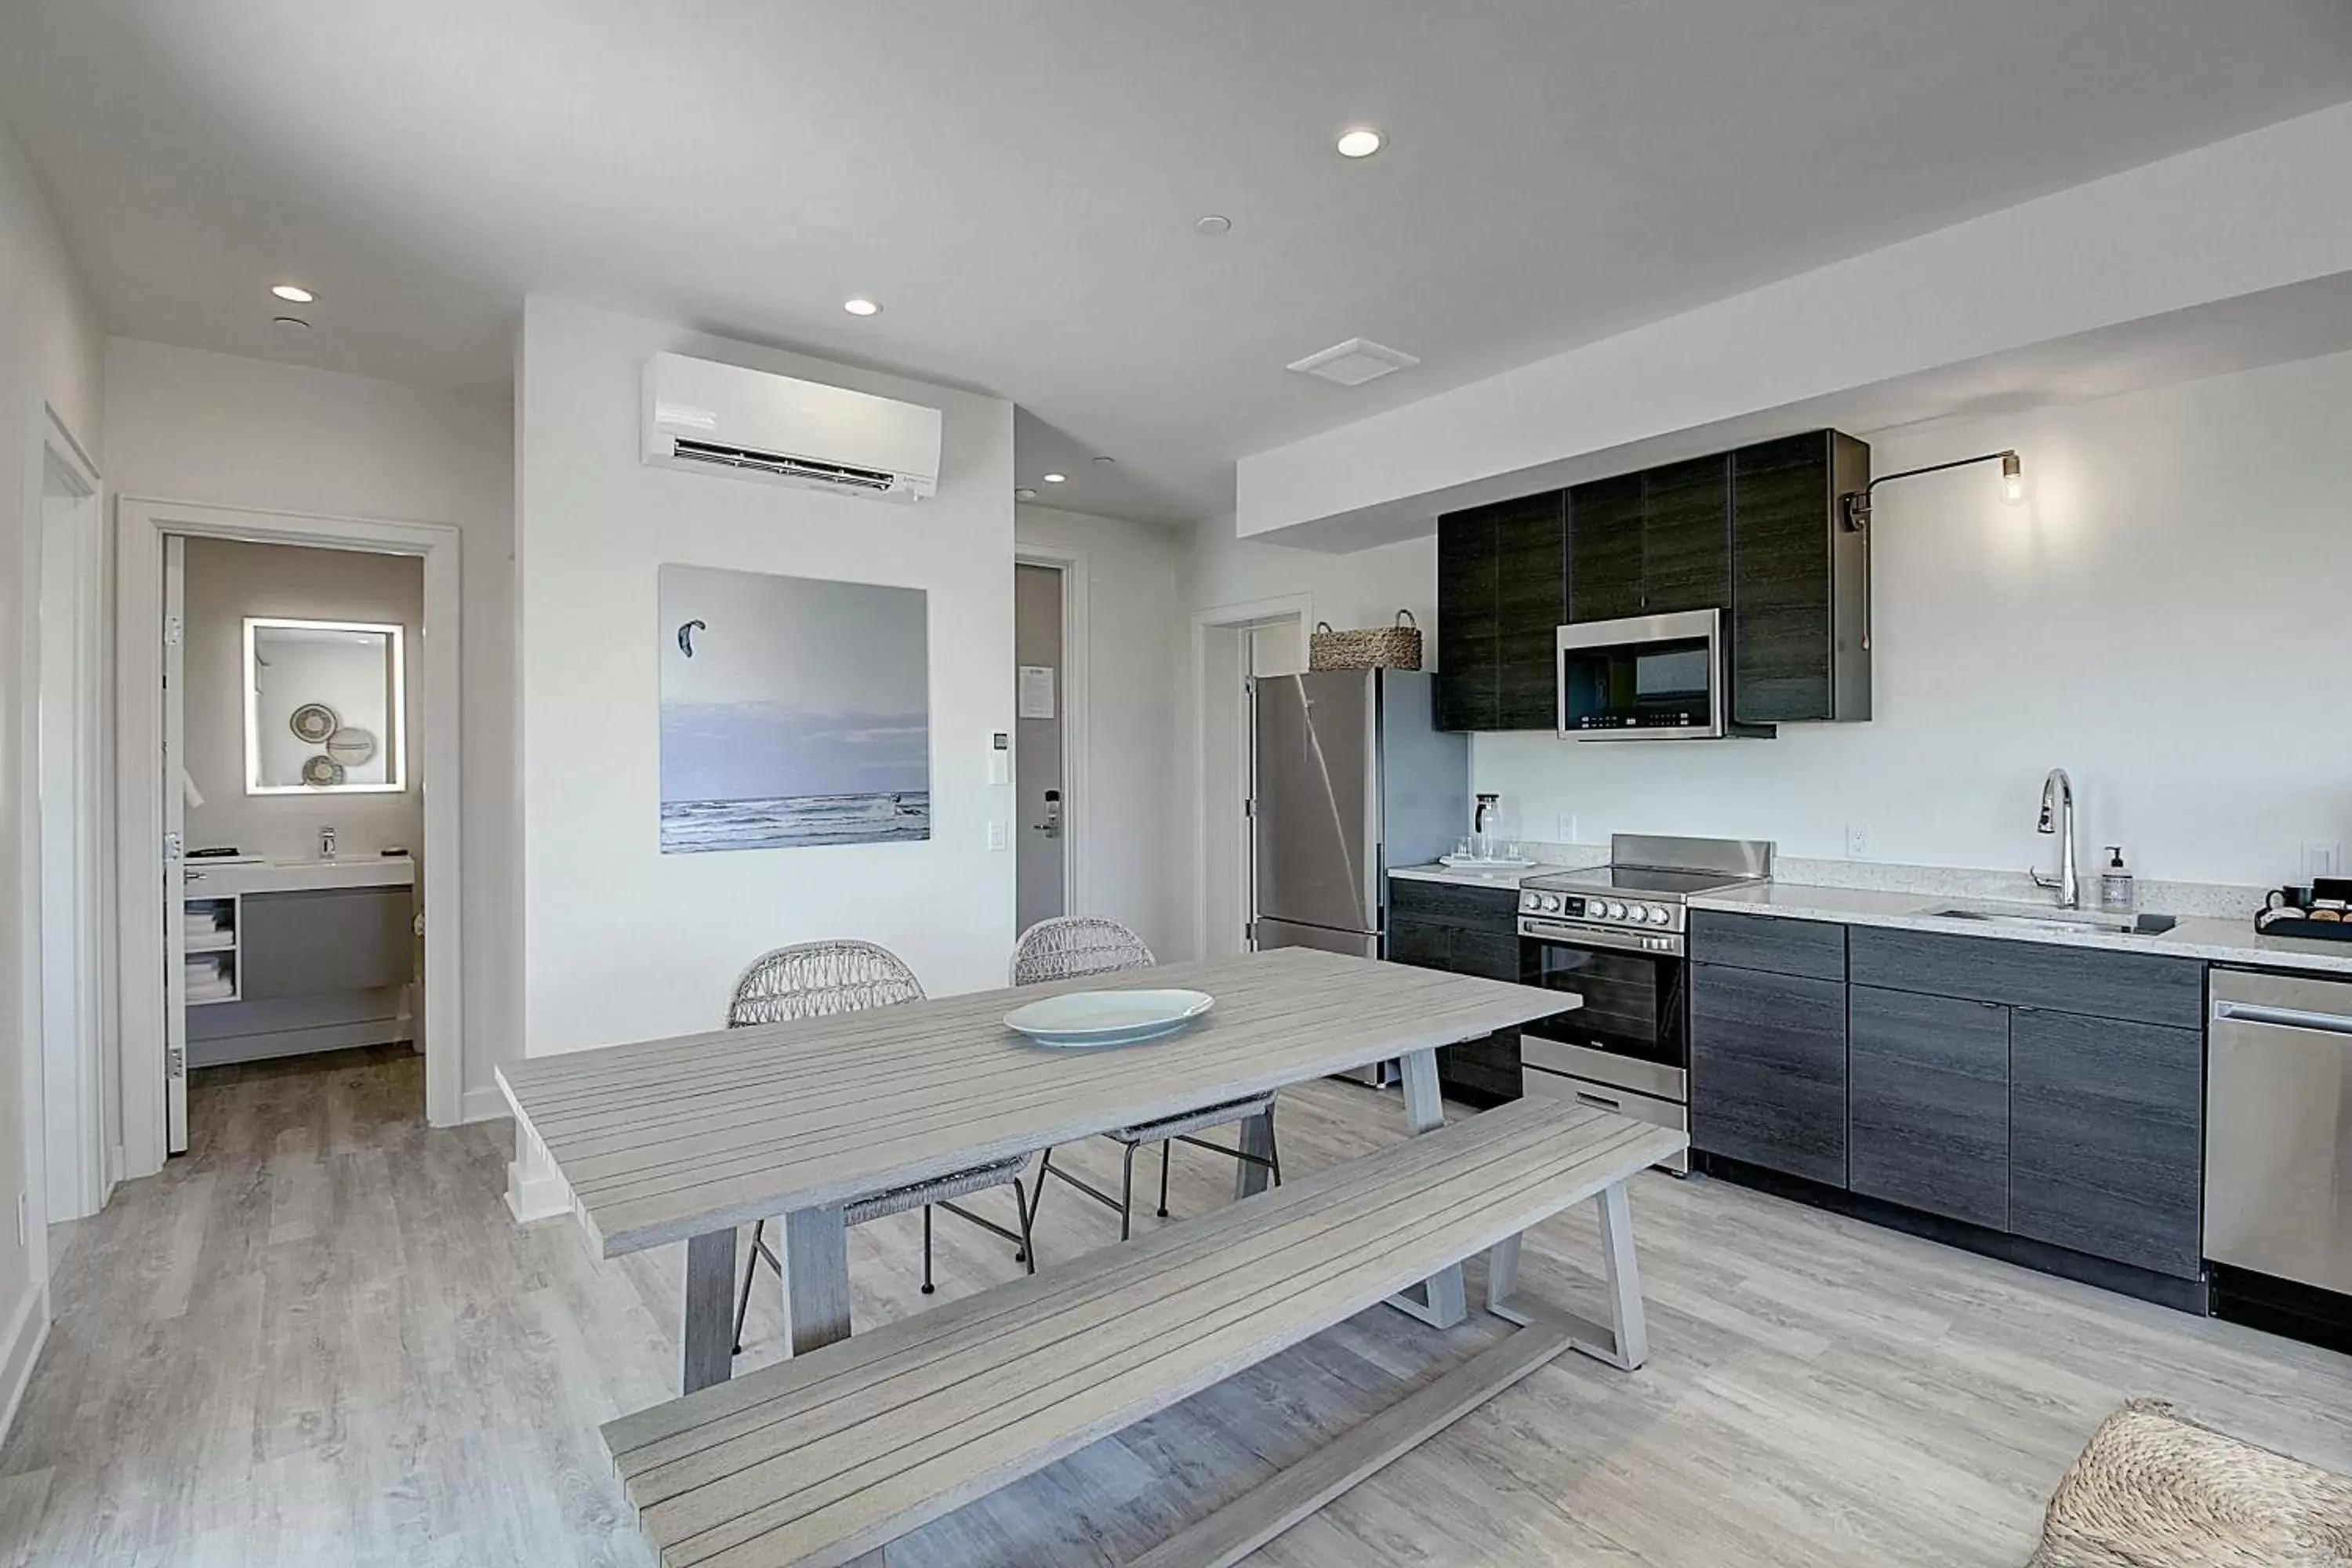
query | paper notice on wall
[1036, 691]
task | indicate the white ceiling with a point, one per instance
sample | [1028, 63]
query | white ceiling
[1017, 183]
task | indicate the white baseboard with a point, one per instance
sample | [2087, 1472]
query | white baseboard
[27, 1332]
[483, 1103]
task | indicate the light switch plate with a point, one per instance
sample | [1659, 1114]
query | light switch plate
[1568, 827]
[997, 838]
[2320, 859]
[1857, 841]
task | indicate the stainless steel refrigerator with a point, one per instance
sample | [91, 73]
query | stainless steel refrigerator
[1350, 776]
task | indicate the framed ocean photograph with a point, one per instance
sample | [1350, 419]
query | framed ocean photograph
[795, 711]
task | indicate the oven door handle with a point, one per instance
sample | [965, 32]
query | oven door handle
[1602, 936]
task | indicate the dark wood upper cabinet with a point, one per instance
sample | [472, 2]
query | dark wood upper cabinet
[1800, 605]
[1754, 532]
[1502, 593]
[1530, 603]
[1686, 537]
[1465, 620]
[1604, 521]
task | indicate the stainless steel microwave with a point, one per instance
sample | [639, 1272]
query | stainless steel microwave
[1644, 677]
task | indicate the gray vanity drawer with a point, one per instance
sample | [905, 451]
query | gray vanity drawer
[1772, 944]
[2094, 982]
[322, 940]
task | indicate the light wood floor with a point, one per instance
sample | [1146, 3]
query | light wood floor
[320, 1338]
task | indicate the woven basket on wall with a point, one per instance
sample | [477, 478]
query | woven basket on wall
[1381, 648]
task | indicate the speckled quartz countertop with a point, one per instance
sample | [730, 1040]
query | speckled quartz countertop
[1462, 877]
[2215, 938]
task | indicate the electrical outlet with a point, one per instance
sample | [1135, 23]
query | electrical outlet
[997, 838]
[1857, 841]
[2320, 859]
[1566, 827]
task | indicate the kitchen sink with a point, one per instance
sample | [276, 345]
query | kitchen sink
[2061, 921]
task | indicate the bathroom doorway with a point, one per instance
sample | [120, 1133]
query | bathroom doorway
[297, 688]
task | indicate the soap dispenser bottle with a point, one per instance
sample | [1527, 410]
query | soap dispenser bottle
[2115, 891]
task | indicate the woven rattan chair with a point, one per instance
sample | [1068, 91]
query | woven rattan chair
[1069, 948]
[818, 978]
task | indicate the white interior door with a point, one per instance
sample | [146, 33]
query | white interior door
[176, 833]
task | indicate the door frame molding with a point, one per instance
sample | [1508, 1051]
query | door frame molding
[80, 1109]
[140, 524]
[1077, 798]
[1248, 613]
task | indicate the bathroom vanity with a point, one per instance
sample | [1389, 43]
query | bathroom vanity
[289, 957]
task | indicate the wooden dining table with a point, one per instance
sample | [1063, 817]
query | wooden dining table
[684, 1139]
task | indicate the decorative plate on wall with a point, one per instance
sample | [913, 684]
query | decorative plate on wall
[322, 769]
[351, 746]
[312, 723]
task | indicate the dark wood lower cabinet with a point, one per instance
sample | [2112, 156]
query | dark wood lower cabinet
[1463, 932]
[1767, 1071]
[1928, 1103]
[2106, 1138]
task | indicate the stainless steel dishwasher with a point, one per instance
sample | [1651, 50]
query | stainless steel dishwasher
[2278, 1145]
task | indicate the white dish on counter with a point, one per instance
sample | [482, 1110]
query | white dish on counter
[1080, 1019]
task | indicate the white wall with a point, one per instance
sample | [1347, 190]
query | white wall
[1134, 637]
[2160, 620]
[227, 431]
[229, 579]
[620, 941]
[50, 358]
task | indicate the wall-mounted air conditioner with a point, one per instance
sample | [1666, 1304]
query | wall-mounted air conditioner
[724, 419]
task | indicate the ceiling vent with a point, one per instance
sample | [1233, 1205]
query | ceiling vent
[1354, 363]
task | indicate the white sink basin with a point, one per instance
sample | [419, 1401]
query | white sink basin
[299, 876]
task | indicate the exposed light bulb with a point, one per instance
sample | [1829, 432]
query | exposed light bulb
[2012, 478]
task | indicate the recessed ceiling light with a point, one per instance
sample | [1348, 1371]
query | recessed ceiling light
[1055, 478]
[861, 306]
[1360, 142]
[1025, 493]
[1210, 225]
[294, 293]
[289, 321]
[1105, 462]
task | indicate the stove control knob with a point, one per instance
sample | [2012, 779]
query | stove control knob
[1529, 901]
[1658, 915]
[1551, 903]
[1613, 910]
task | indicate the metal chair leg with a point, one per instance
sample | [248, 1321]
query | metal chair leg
[1127, 1197]
[1273, 1149]
[1028, 1253]
[750, 1271]
[1167, 1148]
[928, 1285]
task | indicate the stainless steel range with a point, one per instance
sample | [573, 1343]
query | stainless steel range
[1615, 936]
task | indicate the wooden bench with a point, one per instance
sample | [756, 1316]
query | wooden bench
[823, 1459]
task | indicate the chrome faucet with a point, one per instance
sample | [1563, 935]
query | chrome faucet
[327, 843]
[2058, 817]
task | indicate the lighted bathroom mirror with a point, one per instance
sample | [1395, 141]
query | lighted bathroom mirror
[324, 704]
